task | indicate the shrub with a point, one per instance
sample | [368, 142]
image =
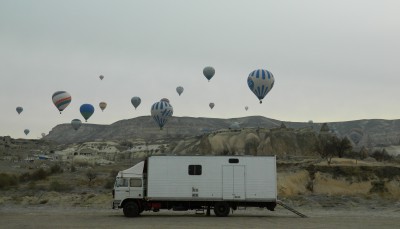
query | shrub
[382, 155]
[91, 175]
[7, 180]
[109, 184]
[43, 201]
[55, 169]
[113, 173]
[25, 177]
[59, 187]
[39, 174]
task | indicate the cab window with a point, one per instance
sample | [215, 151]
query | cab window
[121, 182]
[136, 182]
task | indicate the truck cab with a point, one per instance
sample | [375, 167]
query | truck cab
[129, 184]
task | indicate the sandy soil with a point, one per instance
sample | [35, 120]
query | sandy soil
[335, 202]
[18, 216]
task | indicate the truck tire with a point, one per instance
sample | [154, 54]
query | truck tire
[131, 209]
[221, 209]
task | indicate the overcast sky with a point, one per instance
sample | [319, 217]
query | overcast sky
[332, 60]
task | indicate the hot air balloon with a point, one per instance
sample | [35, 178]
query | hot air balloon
[161, 111]
[209, 72]
[260, 82]
[165, 100]
[211, 105]
[76, 123]
[246, 108]
[86, 111]
[179, 90]
[136, 101]
[43, 134]
[26, 131]
[101, 77]
[19, 109]
[102, 105]
[61, 100]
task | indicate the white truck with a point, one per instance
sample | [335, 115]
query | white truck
[197, 183]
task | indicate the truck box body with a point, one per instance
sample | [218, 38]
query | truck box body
[196, 183]
[212, 178]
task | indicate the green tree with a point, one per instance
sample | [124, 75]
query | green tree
[327, 146]
[344, 146]
[91, 175]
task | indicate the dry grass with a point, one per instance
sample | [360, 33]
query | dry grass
[291, 184]
[326, 184]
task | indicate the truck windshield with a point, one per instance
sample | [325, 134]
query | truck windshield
[121, 182]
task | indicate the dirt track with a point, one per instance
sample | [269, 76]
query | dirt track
[57, 217]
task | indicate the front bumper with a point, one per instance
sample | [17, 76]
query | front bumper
[116, 204]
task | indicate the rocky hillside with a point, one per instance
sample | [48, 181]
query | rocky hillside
[371, 133]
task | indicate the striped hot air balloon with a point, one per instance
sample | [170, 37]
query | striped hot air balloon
[260, 82]
[161, 111]
[61, 100]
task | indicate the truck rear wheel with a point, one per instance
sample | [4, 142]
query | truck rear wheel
[221, 209]
[131, 209]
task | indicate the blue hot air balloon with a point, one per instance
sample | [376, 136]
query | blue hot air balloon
[260, 82]
[86, 111]
[161, 111]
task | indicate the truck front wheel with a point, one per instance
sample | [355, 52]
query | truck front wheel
[131, 209]
[221, 209]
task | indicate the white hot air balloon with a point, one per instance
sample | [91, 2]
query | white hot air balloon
[61, 100]
[76, 124]
[161, 111]
[260, 82]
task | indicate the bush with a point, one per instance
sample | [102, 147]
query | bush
[39, 174]
[113, 173]
[59, 187]
[7, 180]
[91, 175]
[56, 169]
[25, 177]
[381, 155]
[109, 184]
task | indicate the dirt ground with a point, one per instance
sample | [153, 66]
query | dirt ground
[19, 216]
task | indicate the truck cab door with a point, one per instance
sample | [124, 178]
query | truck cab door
[136, 188]
[122, 189]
